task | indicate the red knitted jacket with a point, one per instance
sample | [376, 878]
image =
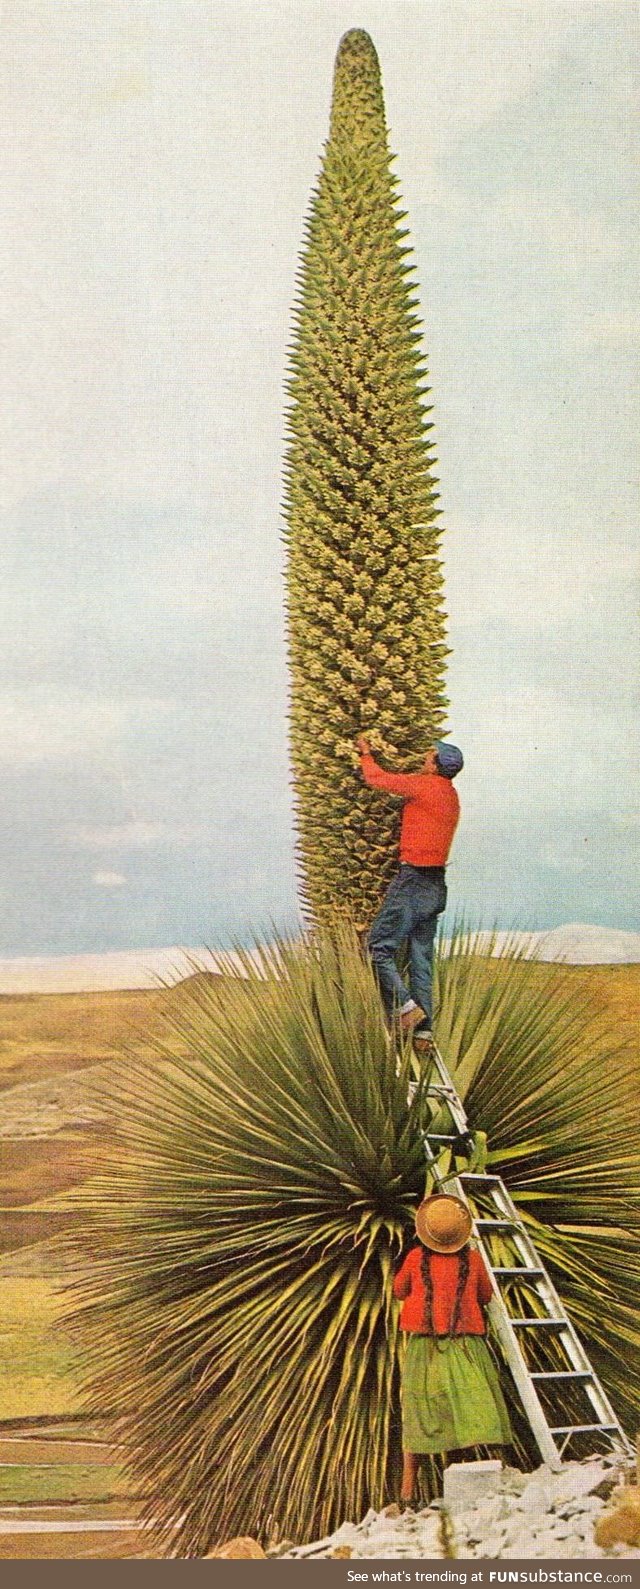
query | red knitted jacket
[445, 1267]
[429, 815]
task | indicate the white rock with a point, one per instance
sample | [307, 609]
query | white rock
[549, 1543]
[380, 1544]
[577, 1479]
[543, 1543]
[346, 1533]
[513, 1481]
[393, 1548]
[537, 1516]
[520, 1523]
[491, 1546]
[572, 1546]
[587, 1505]
[538, 1495]
[429, 1536]
[521, 1536]
[493, 1510]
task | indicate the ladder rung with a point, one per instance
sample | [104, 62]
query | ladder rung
[471, 1175]
[584, 1428]
[538, 1324]
[496, 1224]
[437, 1136]
[563, 1373]
[520, 1270]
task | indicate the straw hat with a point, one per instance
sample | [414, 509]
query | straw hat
[443, 1223]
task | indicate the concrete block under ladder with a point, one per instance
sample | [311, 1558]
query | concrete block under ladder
[467, 1483]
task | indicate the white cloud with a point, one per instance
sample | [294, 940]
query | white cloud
[535, 749]
[41, 725]
[108, 879]
[135, 835]
[125, 358]
[570, 240]
[570, 855]
[626, 821]
[154, 225]
[533, 579]
[480, 58]
[606, 330]
[521, 727]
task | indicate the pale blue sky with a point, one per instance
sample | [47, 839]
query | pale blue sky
[157, 166]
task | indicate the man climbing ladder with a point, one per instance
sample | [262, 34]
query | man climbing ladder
[417, 895]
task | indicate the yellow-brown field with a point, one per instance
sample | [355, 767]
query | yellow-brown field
[45, 1034]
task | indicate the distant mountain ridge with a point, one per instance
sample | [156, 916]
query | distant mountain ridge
[577, 943]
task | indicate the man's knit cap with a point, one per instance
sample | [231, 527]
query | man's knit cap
[450, 759]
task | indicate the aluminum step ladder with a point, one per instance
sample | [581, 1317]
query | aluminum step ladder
[526, 1335]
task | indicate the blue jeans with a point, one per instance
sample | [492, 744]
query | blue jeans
[409, 912]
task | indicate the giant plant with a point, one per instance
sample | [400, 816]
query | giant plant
[365, 617]
[236, 1256]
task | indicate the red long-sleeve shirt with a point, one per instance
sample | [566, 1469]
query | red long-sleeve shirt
[430, 813]
[408, 1286]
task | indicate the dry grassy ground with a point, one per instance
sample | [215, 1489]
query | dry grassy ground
[45, 1034]
[36, 1364]
[51, 1137]
[616, 991]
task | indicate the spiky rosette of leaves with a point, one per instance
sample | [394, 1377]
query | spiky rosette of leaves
[366, 627]
[235, 1304]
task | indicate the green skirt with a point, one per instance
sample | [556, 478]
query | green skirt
[451, 1395]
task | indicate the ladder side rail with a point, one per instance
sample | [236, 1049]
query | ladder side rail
[607, 1421]
[452, 1099]
[445, 1098]
[533, 1408]
[593, 1388]
[538, 1418]
[542, 1285]
[524, 1247]
[571, 1341]
[502, 1327]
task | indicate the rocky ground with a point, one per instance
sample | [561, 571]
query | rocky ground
[505, 1514]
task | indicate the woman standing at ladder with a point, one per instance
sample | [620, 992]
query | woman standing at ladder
[451, 1396]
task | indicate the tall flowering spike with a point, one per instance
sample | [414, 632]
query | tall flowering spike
[366, 626]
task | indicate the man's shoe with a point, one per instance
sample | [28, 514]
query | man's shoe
[423, 1042]
[410, 1018]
